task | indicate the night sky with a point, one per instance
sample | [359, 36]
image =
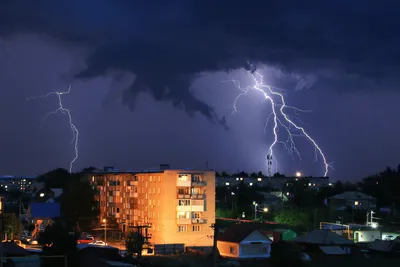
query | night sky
[150, 83]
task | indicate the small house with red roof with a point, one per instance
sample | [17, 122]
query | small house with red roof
[244, 241]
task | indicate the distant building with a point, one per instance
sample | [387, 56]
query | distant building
[11, 182]
[177, 205]
[275, 182]
[353, 199]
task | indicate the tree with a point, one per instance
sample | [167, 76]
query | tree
[57, 178]
[58, 240]
[294, 217]
[12, 226]
[134, 242]
[226, 213]
[78, 203]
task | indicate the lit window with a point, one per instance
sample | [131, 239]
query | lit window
[196, 228]
[227, 183]
[259, 179]
[182, 228]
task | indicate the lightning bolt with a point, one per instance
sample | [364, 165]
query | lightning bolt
[61, 109]
[280, 119]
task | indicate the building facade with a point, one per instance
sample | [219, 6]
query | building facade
[177, 206]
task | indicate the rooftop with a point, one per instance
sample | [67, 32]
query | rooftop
[352, 195]
[44, 210]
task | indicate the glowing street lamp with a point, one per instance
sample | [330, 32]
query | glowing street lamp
[105, 230]
[299, 174]
[265, 209]
[255, 210]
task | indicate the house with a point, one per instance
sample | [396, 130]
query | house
[244, 241]
[41, 214]
[353, 199]
[386, 247]
[325, 243]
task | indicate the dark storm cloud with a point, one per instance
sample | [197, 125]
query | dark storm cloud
[167, 43]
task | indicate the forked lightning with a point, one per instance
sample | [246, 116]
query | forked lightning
[61, 109]
[280, 119]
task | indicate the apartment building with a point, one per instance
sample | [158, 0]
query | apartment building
[178, 206]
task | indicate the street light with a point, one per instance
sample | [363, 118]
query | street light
[298, 174]
[255, 210]
[105, 230]
[265, 209]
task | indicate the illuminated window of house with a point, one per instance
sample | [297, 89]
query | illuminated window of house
[232, 250]
[195, 215]
[182, 177]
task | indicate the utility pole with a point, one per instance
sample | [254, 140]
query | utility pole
[215, 248]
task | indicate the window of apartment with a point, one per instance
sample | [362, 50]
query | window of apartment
[183, 191]
[182, 228]
[195, 191]
[197, 178]
[117, 210]
[183, 177]
[183, 215]
[195, 215]
[158, 190]
[196, 228]
[135, 189]
[197, 202]
[232, 250]
[151, 178]
[184, 202]
[158, 203]
[150, 202]
[159, 179]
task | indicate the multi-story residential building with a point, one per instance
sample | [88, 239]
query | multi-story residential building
[178, 206]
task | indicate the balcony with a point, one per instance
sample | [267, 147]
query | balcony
[197, 205]
[183, 196]
[184, 221]
[197, 196]
[133, 182]
[183, 208]
[199, 183]
[199, 221]
[183, 183]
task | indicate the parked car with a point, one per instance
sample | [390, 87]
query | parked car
[86, 240]
[98, 243]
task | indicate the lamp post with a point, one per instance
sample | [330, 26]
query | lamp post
[355, 205]
[255, 210]
[105, 230]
